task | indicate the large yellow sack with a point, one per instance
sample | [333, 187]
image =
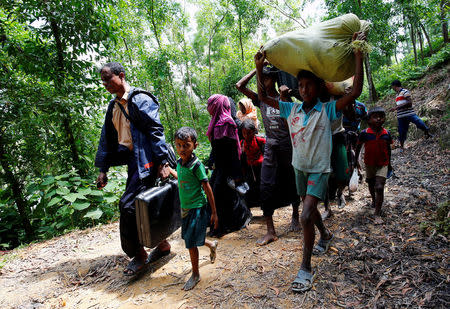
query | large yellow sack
[326, 49]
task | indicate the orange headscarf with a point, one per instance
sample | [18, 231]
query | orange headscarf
[250, 111]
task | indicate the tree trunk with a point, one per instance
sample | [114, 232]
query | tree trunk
[395, 55]
[443, 15]
[127, 51]
[192, 108]
[186, 89]
[17, 190]
[168, 118]
[211, 36]
[59, 86]
[71, 141]
[413, 41]
[155, 29]
[240, 39]
[419, 34]
[175, 97]
[373, 96]
[427, 37]
[169, 77]
[209, 66]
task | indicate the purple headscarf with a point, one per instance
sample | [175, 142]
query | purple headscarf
[221, 124]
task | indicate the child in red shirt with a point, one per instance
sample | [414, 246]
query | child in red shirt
[253, 148]
[377, 156]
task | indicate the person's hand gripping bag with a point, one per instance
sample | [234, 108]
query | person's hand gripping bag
[325, 49]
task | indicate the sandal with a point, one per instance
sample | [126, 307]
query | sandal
[156, 254]
[322, 246]
[304, 280]
[135, 267]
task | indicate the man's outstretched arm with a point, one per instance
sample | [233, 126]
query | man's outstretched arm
[242, 86]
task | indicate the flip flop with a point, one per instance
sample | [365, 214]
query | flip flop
[135, 267]
[303, 281]
[156, 254]
[322, 246]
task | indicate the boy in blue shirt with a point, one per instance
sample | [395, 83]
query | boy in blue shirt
[192, 178]
[310, 131]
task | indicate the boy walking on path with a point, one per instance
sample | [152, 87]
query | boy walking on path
[377, 156]
[405, 113]
[192, 178]
[310, 132]
[132, 135]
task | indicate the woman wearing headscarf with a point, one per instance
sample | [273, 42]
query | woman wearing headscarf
[224, 160]
[247, 111]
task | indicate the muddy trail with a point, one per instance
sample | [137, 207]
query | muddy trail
[397, 261]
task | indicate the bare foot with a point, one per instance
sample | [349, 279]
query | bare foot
[213, 249]
[295, 225]
[327, 214]
[266, 239]
[191, 283]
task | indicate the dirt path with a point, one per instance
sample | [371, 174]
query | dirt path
[388, 263]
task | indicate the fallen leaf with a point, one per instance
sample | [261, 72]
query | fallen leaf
[334, 249]
[379, 261]
[277, 291]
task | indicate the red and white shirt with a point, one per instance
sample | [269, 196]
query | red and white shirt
[402, 97]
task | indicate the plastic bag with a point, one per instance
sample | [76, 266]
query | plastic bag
[353, 185]
[326, 49]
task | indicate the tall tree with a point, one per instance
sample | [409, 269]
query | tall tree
[444, 6]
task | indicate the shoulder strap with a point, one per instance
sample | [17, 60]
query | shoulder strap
[129, 100]
[123, 111]
[196, 165]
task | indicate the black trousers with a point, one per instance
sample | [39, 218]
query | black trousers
[128, 227]
[277, 186]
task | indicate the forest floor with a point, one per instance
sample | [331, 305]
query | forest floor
[396, 261]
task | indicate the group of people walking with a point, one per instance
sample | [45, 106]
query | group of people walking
[304, 144]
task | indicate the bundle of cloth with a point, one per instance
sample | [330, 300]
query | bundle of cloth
[325, 49]
[247, 110]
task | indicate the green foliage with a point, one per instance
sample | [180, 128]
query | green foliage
[441, 221]
[406, 70]
[59, 204]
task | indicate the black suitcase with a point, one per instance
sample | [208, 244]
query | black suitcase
[158, 213]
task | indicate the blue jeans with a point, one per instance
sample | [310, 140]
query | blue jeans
[403, 125]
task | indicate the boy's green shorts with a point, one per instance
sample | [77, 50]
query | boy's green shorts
[314, 184]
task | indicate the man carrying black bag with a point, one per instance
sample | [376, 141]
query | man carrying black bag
[132, 134]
